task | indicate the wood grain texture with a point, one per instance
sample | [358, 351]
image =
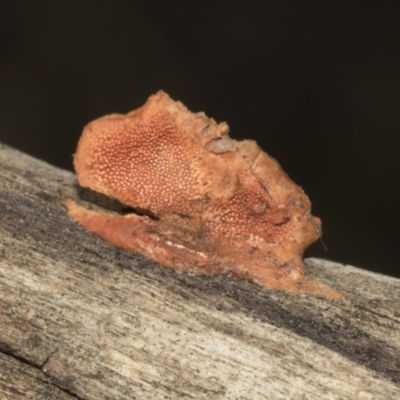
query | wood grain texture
[82, 319]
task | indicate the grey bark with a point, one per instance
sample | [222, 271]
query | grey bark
[82, 319]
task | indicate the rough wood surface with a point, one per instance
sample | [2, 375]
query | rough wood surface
[80, 318]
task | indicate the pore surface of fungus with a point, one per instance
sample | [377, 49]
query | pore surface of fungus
[204, 202]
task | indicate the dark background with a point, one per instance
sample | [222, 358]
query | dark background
[317, 84]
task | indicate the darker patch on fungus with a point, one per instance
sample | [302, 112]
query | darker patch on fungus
[100, 200]
[108, 204]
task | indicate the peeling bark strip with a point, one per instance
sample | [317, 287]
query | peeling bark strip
[207, 204]
[80, 318]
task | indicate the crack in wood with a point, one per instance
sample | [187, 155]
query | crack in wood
[31, 364]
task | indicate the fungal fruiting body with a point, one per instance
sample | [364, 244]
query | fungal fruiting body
[204, 202]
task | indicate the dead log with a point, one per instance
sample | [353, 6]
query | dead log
[82, 319]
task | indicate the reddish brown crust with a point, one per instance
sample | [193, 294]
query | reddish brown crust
[221, 205]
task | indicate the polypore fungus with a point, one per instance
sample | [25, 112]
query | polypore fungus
[204, 202]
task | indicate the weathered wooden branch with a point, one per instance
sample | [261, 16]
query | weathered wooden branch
[80, 318]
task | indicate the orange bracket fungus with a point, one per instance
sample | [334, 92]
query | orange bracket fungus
[202, 202]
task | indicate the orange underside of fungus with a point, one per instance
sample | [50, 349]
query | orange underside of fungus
[205, 203]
